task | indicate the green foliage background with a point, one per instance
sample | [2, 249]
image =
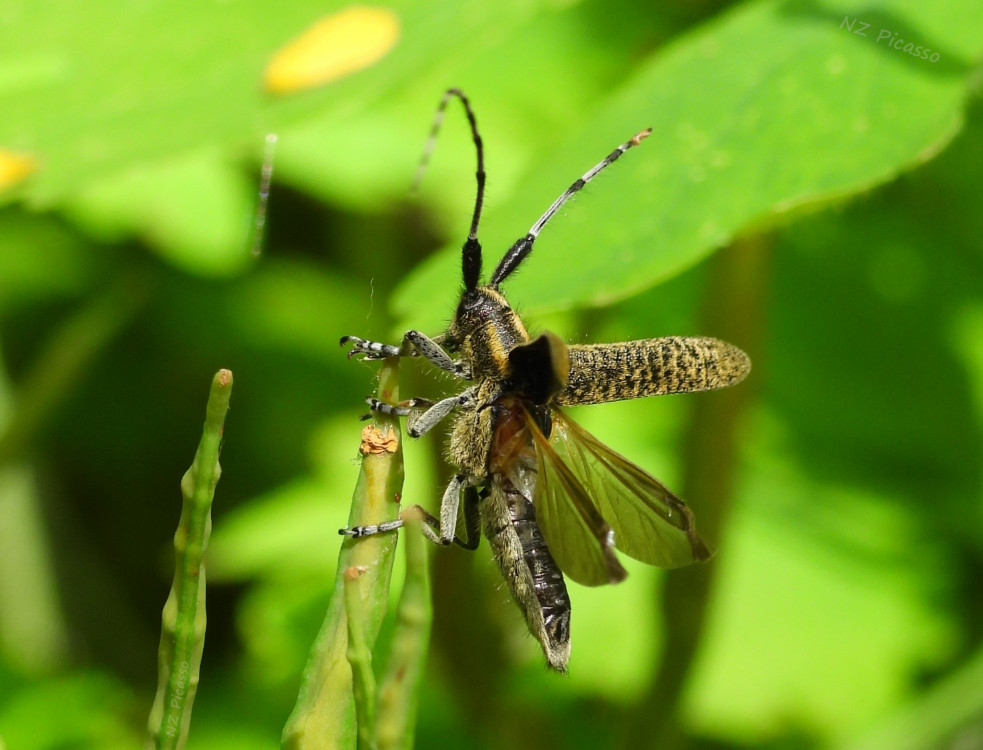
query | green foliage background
[809, 192]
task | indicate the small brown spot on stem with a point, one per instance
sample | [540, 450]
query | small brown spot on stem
[355, 572]
[377, 441]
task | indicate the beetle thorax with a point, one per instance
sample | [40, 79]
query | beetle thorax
[486, 329]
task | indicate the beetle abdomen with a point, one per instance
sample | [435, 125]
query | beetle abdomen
[551, 589]
[532, 575]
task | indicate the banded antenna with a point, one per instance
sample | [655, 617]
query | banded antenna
[523, 246]
[471, 250]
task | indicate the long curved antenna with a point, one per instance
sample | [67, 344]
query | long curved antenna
[523, 246]
[471, 250]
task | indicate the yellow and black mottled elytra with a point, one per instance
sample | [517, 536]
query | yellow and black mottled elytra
[651, 367]
[551, 499]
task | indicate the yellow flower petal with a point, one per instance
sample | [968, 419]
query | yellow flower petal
[14, 167]
[334, 47]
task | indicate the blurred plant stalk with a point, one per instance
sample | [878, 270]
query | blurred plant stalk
[31, 615]
[733, 310]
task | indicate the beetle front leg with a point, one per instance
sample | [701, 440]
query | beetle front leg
[409, 408]
[414, 344]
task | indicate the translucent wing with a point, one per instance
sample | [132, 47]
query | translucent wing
[650, 523]
[579, 539]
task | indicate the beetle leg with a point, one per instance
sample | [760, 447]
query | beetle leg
[414, 344]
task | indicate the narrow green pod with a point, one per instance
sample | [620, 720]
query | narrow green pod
[182, 635]
[397, 697]
[360, 659]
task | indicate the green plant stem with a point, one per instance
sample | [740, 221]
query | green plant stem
[360, 659]
[324, 715]
[732, 312]
[398, 689]
[182, 635]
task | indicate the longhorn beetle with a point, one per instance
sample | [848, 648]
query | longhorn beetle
[550, 497]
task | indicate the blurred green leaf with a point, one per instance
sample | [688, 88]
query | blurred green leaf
[300, 308]
[280, 536]
[949, 714]
[85, 710]
[196, 211]
[41, 259]
[799, 612]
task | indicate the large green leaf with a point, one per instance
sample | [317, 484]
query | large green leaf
[771, 107]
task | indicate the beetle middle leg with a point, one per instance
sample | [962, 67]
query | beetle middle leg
[443, 530]
[421, 414]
